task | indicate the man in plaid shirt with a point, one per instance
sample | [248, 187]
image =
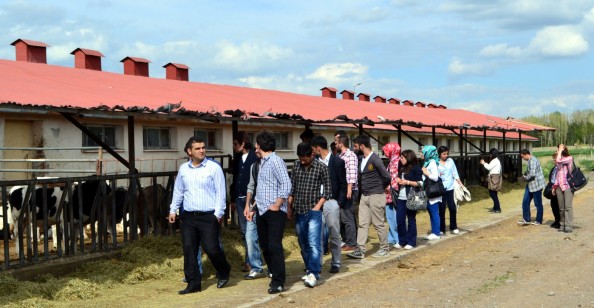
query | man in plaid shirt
[534, 187]
[310, 188]
[347, 211]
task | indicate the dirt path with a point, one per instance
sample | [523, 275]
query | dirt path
[503, 265]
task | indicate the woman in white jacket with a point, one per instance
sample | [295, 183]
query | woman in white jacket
[494, 167]
[430, 171]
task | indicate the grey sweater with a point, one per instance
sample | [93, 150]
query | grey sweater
[374, 177]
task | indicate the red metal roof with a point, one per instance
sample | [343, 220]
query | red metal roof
[25, 83]
[88, 52]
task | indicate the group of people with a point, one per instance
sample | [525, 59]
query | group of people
[319, 195]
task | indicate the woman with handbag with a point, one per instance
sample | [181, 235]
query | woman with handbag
[429, 154]
[494, 178]
[409, 179]
[392, 152]
[448, 173]
[561, 189]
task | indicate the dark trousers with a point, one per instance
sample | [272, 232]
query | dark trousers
[495, 198]
[202, 228]
[406, 224]
[448, 199]
[271, 226]
[555, 209]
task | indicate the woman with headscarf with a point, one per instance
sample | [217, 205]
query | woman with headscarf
[392, 152]
[448, 173]
[494, 167]
[429, 153]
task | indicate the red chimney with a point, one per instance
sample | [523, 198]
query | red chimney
[87, 59]
[379, 99]
[442, 107]
[176, 71]
[394, 101]
[136, 66]
[363, 97]
[328, 92]
[30, 51]
[431, 105]
[420, 105]
[407, 103]
[346, 94]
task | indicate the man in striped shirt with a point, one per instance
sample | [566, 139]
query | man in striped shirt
[200, 187]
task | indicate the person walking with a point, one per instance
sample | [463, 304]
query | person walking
[332, 206]
[429, 154]
[347, 211]
[310, 185]
[392, 152]
[251, 229]
[561, 189]
[272, 192]
[374, 180]
[534, 186]
[448, 173]
[410, 175]
[200, 186]
[494, 168]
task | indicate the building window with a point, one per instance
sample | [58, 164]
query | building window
[156, 138]
[282, 140]
[209, 136]
[106, 133]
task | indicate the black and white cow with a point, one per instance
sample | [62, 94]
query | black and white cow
[156, 209]
[16, 199]
[9, 222]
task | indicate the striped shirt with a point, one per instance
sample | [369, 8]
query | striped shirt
[306, 183]
[564, 165]
[273, 182]
[200, 188]
[350, 164]
[534, 171]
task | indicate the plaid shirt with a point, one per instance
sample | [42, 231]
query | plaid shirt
[534, 171]
[350, 164]
[563, 167]
[273, 182]
[307, 184]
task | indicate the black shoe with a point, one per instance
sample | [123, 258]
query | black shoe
[494, 211]
[334, 269]
[556, 225]
[275, 290]
[189, 289]
[222, 282]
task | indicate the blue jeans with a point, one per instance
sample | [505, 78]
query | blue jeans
[407, 224]
[308, 227]
[433, 210]
[537, 195]
[253, 247]
[240, 206]
[392, 223]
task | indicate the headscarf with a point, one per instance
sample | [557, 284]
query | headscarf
[430, 154]
[392, 151]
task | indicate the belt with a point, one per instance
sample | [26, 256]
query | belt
[199, 213]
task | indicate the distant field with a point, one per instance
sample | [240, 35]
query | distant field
[584, 157]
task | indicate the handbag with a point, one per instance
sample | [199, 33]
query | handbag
[416, 199]
[434, 189]
[495, 182]
[548, 191]
[576, 179]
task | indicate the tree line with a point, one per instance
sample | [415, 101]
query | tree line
[576, 128]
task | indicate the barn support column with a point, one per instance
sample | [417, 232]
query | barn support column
[399, 127]
[433, 136]
[400, 131]
[234, 128]
[504, 144]
[485, 140]
[462, 139]
[134, 181]
[519, 165]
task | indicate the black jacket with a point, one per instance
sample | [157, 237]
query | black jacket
[337, 174]
[414, 175]
[241, 174]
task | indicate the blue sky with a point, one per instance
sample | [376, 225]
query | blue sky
[505, 58]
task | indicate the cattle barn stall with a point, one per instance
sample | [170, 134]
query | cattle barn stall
[29, 86]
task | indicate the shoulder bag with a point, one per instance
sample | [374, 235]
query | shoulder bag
[547, 192]
[576, 179]
[416, 199]
[434, 189]
[495, 182]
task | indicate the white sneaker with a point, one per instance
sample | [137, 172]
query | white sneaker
[432, 236]
[304, 278]
[310, 281]
[397, 246]
[456, 231]
[408, 247]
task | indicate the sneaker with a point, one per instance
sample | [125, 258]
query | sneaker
[304, 278]
[381, 253]
[456, 231]
[342, 244]
[408, 247]
[397, 246]
[310, 281]
[254, 275]
[357, 254]
[334, 269]
[441, 233]
[536, 223]
[523, 222]
[432, 237]
[275, 290]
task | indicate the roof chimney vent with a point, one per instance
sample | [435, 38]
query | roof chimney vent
[420, 105]
[87, 59]
[176, 71]
[431, 105]
[379, 99]
[442, 107]
[349, 95]
[328, 92]
[394, 101]
[136, 66]
[363, 97]
[407, 103]
[30, 51]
